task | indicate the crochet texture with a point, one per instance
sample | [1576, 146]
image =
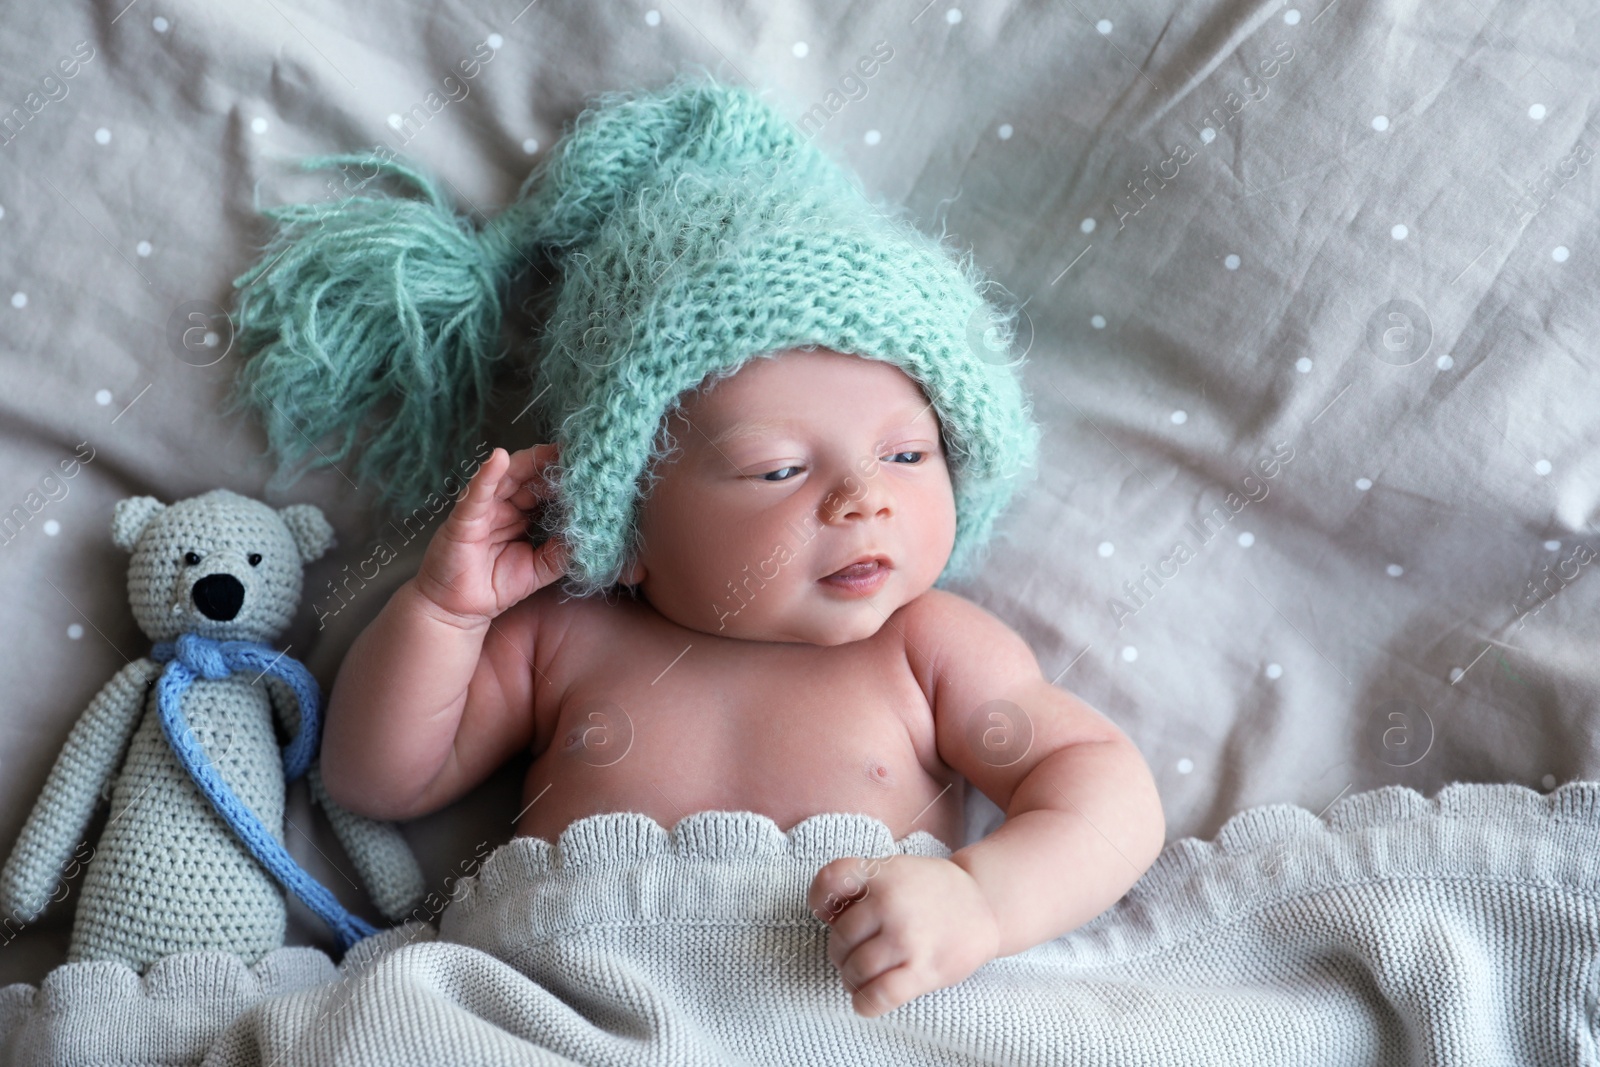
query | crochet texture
[695, 229]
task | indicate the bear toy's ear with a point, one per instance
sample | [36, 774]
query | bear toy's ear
[311, 532]
[130, 518]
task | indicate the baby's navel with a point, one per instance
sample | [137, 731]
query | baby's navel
[878, 771]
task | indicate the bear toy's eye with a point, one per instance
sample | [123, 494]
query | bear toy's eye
[255, 558]
[191, 558]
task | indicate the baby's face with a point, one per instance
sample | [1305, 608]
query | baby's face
[788, 471]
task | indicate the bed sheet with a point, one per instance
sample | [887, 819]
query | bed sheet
[1308, 306]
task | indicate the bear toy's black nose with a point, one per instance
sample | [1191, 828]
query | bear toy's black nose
[218, 596]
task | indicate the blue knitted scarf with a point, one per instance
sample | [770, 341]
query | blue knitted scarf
[192, 656]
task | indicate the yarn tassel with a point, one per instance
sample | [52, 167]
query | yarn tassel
[376, 312]
[383, 313]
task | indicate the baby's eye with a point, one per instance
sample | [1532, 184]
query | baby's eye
[191, 558]
[769, 475]
[919, 456]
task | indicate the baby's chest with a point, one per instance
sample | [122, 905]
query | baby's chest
[751, 723]
[789, 731]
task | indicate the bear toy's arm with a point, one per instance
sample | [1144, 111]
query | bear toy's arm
[382, 857]
[86, 765]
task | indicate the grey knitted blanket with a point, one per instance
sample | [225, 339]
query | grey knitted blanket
[1464, 929]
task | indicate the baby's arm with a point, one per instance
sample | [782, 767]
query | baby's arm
[437, 691]
[1083, 820]
[1083, 817]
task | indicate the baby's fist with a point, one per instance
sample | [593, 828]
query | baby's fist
[902, 926]
[481, 561]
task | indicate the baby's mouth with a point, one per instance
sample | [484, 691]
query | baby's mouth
[862, 566]
[861, 576]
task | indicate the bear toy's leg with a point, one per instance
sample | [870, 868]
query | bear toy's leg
[168, 874]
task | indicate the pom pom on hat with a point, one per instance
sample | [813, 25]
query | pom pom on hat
[695, 229]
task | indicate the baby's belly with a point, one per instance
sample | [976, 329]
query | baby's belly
[604, 761]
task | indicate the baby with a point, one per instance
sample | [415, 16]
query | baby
[844, 683]
[782, 418]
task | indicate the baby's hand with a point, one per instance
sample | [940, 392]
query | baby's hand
[481, 562]
[902, 926]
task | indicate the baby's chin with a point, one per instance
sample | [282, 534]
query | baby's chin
[820, 620]
[825, 633]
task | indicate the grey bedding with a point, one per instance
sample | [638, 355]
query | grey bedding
[1310, 295]
[1458, 929]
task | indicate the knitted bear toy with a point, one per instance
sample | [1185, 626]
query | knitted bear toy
[182, 743]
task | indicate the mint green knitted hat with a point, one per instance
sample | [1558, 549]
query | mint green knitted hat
[694, 228]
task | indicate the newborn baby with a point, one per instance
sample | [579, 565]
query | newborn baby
[783, 418]
[782, 651]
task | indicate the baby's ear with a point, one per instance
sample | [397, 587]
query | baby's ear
[312, 534]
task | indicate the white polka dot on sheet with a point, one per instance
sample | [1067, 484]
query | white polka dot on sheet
[74, 631]
[494, 41]
[1553, 546]
[1105, 549]
[19, 300]
[1541, 467]
[1208, 135]
[51, 527]
[1399, 231]
[1247, 539]
[1548, 781]
[258, 125]
[1292, 17]
[1380, 122]
[1231, 262]
[1185, 765]
[1395, 570]
[1303, 365]
[800, 49]
[143, 248]
[1104, 25]
[159, 24]
[1363, 484]
[3, 215]
[652, 17]
[1274, 671]
[102, 397]
[530, 146]
[1005, 131]
[1087, 225]
[1445, 362]
[1180, 417]
[1098, 322]
[872, 137]
[953, 16]
[1559, 253]
[1129, 653]
[1456, 674]
[102, 136]
[1536, 112]
[394, 120]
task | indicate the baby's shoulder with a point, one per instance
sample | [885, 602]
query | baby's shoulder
[942, 629]
[552, 620]
[939, 614]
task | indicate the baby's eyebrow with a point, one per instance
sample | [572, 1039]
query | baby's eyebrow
[750, 428]
[755, 427]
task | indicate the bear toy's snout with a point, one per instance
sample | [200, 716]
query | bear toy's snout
[218, 596]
